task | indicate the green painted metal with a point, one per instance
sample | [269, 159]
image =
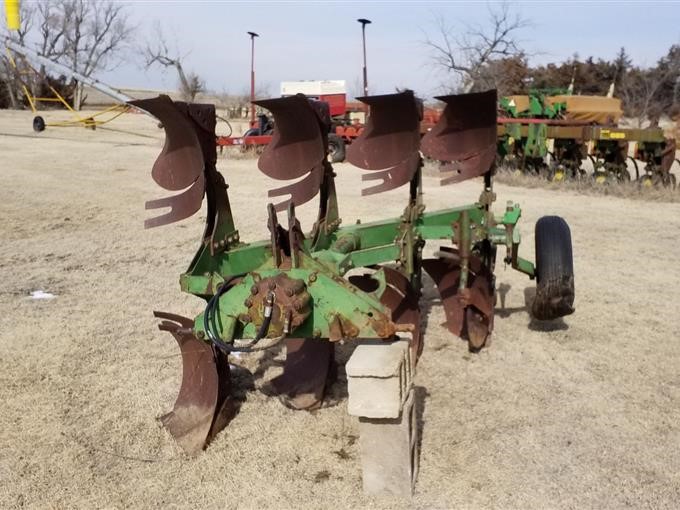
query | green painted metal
[353, 246]
[525, 146]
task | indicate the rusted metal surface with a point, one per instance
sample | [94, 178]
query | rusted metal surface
[180, 166]
[292, 303]
[465, 136]
[308, 368]
[392, 177]
[203, 406]
[469, 310]
[402, 300]
[389, 142]
[298, 147]
[301, 191]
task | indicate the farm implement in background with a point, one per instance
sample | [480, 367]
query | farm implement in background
[347, 118]
[571, 129]
[360, 283]
[91, 121]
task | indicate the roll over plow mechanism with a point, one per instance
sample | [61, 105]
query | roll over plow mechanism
[291, 289]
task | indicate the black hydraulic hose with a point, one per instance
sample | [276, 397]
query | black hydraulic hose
[210, 325]
[209, 315]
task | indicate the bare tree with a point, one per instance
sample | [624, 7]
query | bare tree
[467, 55]
[239, 105]
[87, 36]
[95, 32]
[12, 67]
[639, 92]
[158, 53]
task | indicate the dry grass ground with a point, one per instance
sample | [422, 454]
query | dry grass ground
[580, 413]
[587, 186]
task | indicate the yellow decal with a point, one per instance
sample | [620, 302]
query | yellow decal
[12, 14]
[612, 135]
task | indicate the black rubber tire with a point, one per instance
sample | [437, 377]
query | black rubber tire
[554, 269]
[38, 124]
[336, 149]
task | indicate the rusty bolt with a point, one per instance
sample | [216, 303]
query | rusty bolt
[254, 289]
[200, 334]
[289, 292]
[248, 302]
[272, 285]
[312, 277]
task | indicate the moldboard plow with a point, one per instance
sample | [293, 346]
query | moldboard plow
[294, 288]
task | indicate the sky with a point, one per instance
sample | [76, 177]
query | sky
[322, 40]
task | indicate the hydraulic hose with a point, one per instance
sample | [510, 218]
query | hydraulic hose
[210, 325]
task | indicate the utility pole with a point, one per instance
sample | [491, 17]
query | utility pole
[364, 22]
[252, 35]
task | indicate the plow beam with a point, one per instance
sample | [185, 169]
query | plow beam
[464, 137]
[390, 141]
[203, 406]
[297, 149]
[180, 166]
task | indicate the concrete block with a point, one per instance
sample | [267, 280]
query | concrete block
[389, 452]
[379, 377]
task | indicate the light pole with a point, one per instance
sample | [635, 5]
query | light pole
[252, 35]
[364, 22]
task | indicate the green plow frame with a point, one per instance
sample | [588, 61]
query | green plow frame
[338, 283]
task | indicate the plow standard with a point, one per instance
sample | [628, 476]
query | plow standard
[361, 283]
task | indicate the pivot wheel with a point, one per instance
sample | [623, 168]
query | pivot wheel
[554, 269]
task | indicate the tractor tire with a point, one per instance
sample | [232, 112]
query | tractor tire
[336, 149]
[554, 269]
[38, 124]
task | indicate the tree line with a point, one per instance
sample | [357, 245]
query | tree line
[476, 58]
[87, 36]
[645, 92]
